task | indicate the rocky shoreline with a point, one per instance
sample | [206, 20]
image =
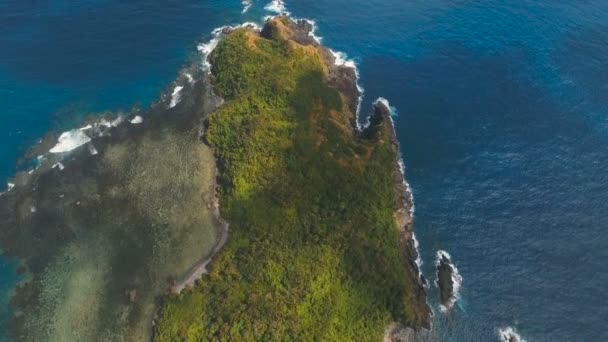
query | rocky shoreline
[345, 78]
[448, 281]
[81, 182]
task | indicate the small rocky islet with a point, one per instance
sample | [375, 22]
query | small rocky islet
[320, 244]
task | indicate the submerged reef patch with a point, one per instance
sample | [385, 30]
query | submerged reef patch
[104, 231]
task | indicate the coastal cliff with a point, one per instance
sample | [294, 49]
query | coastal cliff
[321, 243]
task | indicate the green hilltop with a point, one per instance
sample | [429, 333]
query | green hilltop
[315, 250]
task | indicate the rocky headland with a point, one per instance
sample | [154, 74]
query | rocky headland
[305, 251]
[131, 211]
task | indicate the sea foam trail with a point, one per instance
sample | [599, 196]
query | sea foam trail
[313, 32]
[276, 6]
[456, 280]
[9, 187]
[246, 6]
[509, 334]
[205, 49]
[385, 102]
[176, 96]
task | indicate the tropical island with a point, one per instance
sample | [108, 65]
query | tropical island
[319, 244]
[254, 208]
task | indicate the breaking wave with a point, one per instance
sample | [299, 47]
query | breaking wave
[313, 32]
[246, 6]
[206, 48]
[176, 96]
[456, 280]
[509, 334]
[276, 6]
[70, 140]
[341, 59]
[137, 120]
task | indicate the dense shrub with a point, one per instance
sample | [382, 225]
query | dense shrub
[314, 250]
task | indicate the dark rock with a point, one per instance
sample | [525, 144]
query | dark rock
[227, 29]
[445, 281]
[380, 114]
[425, 282]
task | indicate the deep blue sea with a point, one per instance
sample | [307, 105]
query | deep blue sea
[502, 116]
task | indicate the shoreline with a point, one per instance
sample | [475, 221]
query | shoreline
[200, 268]
[404, 218]
[57, 185]
[344, 77]
[190, 102]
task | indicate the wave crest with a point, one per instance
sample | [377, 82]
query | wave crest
[455, 277]
[276, 6]
[509, 334]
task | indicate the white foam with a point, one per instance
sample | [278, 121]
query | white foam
[456, 280]
[92, 150]
[509, 334]
[137, 120]
[119, 119]
[385, 102]
[341, 59]
[246, 6]
[176, 96]
[276, 6]
[70, 140]
[189, 77]
[10, 186]
[418, 257]
[250, 25]
[313, 31]
[59, 165]
[39, 160]
[104, 123]
[205, 49]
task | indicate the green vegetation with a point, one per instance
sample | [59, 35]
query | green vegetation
[314, 250]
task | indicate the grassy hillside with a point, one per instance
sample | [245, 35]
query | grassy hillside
[314, 250]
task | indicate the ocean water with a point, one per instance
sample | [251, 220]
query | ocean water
[502, 116]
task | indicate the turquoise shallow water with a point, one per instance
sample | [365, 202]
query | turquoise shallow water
[502, 119]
